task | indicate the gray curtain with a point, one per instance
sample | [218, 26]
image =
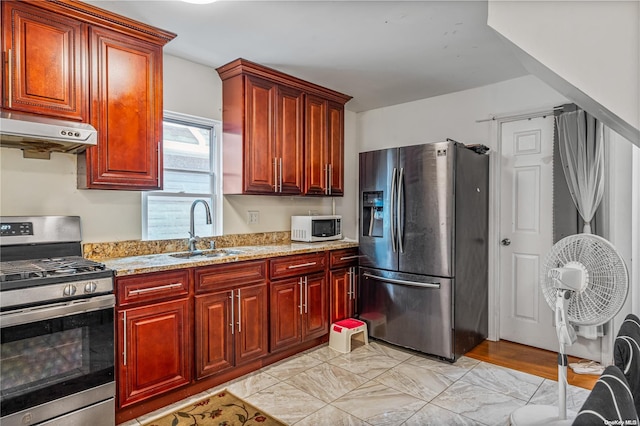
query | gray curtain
[578, 180]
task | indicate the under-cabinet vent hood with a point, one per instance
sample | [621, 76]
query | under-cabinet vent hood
[38, 136]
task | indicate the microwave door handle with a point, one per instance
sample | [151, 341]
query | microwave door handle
[392, 212]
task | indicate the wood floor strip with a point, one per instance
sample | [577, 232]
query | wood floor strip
[538, 362]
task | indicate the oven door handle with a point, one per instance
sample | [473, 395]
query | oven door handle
[63, 309]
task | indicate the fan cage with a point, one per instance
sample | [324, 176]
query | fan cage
[607, 279]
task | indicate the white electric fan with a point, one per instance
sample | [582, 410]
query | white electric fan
[585, 281]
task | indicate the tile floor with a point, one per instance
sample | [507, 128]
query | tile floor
[383, 385]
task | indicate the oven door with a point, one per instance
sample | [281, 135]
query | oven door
[57, 359]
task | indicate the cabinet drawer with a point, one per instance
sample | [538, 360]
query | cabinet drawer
[218, 277]
[302, 264]
[344, 257]
[154, 286]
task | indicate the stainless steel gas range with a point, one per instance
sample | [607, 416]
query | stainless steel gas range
[57, 326]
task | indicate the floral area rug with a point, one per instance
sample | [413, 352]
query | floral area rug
[223, 409]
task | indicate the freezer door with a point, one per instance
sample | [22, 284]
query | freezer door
[406, 310]
[378, 190]
[426, 200]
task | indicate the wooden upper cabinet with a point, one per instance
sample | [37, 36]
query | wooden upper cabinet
[335, 147]
[126, 108]
[278, 130]
[259, 172]
[289, 140]
[71, 60]
[45, 62]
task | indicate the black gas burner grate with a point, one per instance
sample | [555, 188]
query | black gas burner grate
[40, 268]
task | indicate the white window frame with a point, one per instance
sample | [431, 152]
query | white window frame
[216, 172]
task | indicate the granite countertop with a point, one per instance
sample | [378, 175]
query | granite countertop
[163, 262]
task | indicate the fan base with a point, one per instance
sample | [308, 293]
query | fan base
[539, 415]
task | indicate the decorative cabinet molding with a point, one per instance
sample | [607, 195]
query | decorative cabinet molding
[282, 135]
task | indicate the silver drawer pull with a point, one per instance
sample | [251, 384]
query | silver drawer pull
[302, 265]
[349, 257]
[158, 288]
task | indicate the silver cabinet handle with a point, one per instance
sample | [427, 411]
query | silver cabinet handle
[124, 338]
[402, 282]
[349, 257]
[326, 179]
[280, 174]
[355, 278]
[232, 316]
[10, 60]
[399, 211]
[275, 175]
[301, 265]
[330, 178]
[239, 312]
[300, 285]
[306, 293]
[393, 209]
[349, 273]
[158, 288]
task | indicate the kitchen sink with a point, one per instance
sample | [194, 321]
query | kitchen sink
[206, 253]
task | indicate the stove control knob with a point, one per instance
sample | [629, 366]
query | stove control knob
[70, 290]
[90, 287]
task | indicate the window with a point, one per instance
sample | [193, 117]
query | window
[192, 164]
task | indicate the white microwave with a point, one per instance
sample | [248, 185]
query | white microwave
[316, 228]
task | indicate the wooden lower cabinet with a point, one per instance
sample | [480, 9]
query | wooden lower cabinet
[156, 350]
[231, 328]
[299, 310]
[343, 293]
[343, 282]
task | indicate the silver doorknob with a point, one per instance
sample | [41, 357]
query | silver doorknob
[505, 242]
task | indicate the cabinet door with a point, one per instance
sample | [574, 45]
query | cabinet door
[335, 142]
[252, 336]
[316, 312]
[126, 108]
[289, 140]
[259, 153]
[46, 65]
[156, 350]
[285, 313]
[316, 159]
[214, 327]
[340, 292]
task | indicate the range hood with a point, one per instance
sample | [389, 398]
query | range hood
[38, 136]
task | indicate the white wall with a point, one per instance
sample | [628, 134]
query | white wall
[48, 187]
[589, 51]
[452, 116]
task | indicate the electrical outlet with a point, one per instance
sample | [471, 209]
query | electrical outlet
[253, 216]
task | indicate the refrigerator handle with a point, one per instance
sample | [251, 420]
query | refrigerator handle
[400, 212]
[401, 282]
[393, 209]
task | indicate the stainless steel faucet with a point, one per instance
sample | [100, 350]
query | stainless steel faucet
[192, 233]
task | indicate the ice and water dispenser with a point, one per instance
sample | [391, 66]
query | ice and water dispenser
[372, 213]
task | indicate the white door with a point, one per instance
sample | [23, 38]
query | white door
[526, 201]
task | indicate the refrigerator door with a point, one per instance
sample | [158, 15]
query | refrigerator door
[426, 200]
[408, 310]
[378, 191]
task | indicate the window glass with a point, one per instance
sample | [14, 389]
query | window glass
[191, 164]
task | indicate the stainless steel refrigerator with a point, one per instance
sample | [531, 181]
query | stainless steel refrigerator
[423, 246]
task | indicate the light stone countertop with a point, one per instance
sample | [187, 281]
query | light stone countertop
[163, 262]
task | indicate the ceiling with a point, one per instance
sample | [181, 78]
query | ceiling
[381, 53]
